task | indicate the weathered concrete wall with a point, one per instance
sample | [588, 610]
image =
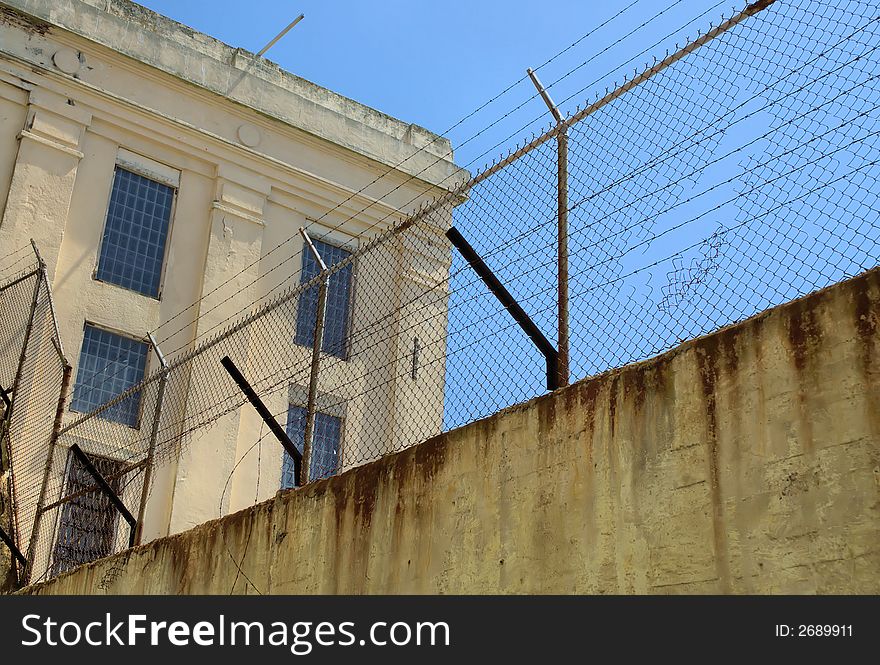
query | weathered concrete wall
[747, 461]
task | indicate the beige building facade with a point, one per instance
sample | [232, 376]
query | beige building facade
[111, 113]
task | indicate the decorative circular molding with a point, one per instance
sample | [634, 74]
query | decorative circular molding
[67, 60]
[249, 135]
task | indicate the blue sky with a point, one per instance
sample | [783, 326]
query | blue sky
[432, 63]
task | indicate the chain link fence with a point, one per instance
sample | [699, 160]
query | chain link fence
[32, 373]
[725, 177]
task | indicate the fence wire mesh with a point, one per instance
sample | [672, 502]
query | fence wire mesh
[32, 369]
[730, 176]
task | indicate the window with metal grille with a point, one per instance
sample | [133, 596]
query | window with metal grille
[338, 301]
[133, 245]
[325, 444]
[109, 364]
[87, 527]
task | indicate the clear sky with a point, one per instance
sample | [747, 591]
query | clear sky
[432, 63]
[741, 177]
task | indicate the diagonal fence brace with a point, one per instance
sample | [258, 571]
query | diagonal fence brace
[510, 304]
[12, 547]
[107, 490]
[265, 414]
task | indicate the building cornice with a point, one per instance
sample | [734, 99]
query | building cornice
[303, 185]
[245, 79]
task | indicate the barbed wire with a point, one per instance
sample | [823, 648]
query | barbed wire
[738, 172]
[310, 223]
[395, 169]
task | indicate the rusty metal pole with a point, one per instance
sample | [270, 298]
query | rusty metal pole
[27, 338]
[305, 472]
[8, 415]
[562, 342]
[562, 339]
[67, 371]
[154, 432]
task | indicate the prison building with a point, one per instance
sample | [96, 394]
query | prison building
[163, 176]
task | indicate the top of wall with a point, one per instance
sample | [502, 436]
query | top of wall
[243, 77]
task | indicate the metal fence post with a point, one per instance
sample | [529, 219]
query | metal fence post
[154, 432]
[67, 371]
[316, 360]
[10, 482]
[562, 342]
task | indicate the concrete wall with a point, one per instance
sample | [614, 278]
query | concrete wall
[747, 461]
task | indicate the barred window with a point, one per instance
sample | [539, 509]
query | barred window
[325, 445]
[87, 528]
[109, 364]
[135, 233]
[338, 301]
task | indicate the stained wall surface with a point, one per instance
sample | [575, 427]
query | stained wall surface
[747, 461]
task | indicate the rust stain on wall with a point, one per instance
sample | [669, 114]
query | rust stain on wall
[634, 379]
[805, 338]
[366, 486]
[803, 333]
[588, 392]
[546, 416]
[729, 350]
[430, 457]
[707, 353]
[867, 320]
[178, 555]
[612, 402]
